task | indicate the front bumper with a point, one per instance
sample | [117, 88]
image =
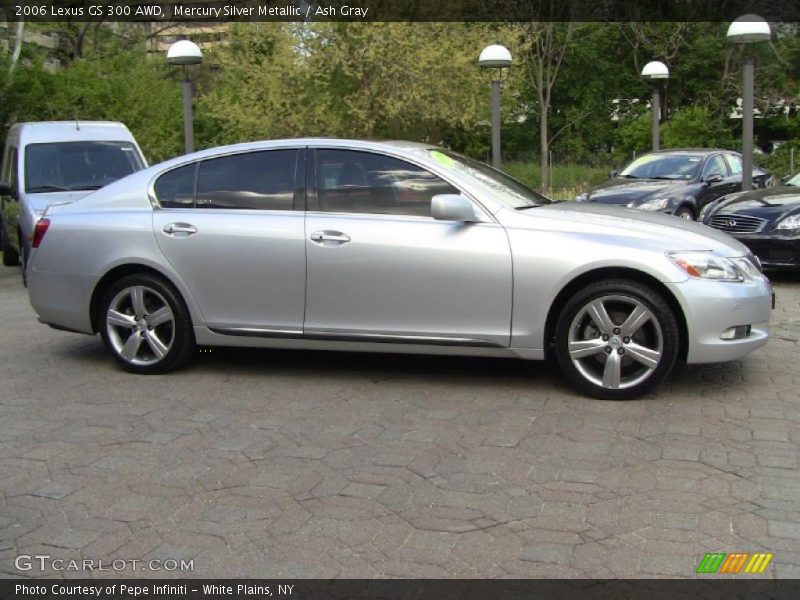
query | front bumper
[711, 308]
[774, 251]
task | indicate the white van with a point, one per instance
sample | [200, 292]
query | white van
[55, 162]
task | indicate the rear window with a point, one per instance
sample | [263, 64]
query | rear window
[70, 166]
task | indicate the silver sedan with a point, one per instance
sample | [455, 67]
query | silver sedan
[389, 247]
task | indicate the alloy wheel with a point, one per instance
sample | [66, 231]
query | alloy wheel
[615, 342]
[140, 325]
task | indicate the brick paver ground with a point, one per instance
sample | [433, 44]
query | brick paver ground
[312, 464]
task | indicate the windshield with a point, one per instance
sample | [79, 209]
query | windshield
[70, 166]
[794, 180]
[504, 187]
[662, 166]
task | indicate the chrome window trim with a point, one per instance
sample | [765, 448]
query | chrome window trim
[347, 336]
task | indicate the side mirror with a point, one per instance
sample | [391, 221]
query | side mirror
[716, 178]
[613, 173]
[5, 189]
[452, 207]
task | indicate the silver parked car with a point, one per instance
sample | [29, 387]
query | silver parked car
[390, 247]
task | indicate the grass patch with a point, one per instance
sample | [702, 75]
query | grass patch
[567, 180]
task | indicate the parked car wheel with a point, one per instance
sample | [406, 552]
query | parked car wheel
[146, 325]
[685, 212]
[10, 256]
[616, 339]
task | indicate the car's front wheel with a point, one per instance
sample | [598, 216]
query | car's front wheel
[684, 212]
[146, 325]
[616, 339]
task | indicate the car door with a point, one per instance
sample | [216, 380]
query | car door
[715, 180]
[381, 269]
[230, 229]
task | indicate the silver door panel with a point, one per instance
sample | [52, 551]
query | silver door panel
[246, 269]
[407, 277]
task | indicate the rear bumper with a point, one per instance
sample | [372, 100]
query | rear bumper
[711, 308]
[61, 301]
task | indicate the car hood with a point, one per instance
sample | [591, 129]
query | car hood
[656, 231]
[623, 191]
[768, 203]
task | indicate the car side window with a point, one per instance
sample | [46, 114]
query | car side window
[175, 188]
[715, 166]
[350, 181]
[263, 180]
[9, 174]
[735, 163]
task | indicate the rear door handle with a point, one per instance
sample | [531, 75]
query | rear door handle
[179, 228]
[329, 236]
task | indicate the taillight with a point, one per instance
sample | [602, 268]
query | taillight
[39, 231]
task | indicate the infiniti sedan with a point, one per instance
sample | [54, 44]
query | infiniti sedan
[389, 247]
[766, 221]
[677, 182]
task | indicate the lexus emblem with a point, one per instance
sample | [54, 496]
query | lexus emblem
[731, 223]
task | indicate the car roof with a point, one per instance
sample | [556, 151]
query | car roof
[393, 146]
[70, 131]
[703, 151]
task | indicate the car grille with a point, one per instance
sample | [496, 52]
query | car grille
[737, 223]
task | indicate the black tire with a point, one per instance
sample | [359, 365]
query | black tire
[174, 337]
[10, 256]
[685, 212]
[652, 348]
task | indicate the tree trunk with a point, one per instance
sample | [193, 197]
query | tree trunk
[17, 46]
[544, 149]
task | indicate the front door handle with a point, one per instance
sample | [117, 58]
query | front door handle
[180, 228]
[336, 237]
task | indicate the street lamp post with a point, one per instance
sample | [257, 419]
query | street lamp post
[185, 53]
[656, 70]
[496, 60]
[748, 30]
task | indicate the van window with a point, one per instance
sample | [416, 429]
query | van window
[68, 166]
[9, 174]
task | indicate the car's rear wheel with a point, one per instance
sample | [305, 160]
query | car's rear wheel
[616, 339]
[10, 256]
[146, 325]
[685, 212]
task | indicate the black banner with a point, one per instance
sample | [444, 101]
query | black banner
[400, 589]
[188, 11]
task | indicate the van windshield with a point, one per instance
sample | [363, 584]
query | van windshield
[71, 166]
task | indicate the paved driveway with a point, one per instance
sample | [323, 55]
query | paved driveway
[309, 464]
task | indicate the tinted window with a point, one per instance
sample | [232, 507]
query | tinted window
[78, 165]
[715, 166]
[363, 182]
[253, 180]
[735, 163]
[9, 174]
[175, 189]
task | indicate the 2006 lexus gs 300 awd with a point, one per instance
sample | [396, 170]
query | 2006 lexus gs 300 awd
[390, 247]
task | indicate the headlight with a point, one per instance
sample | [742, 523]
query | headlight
[706, 210]
[654, 204]
[706, 265]
[790, 222]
